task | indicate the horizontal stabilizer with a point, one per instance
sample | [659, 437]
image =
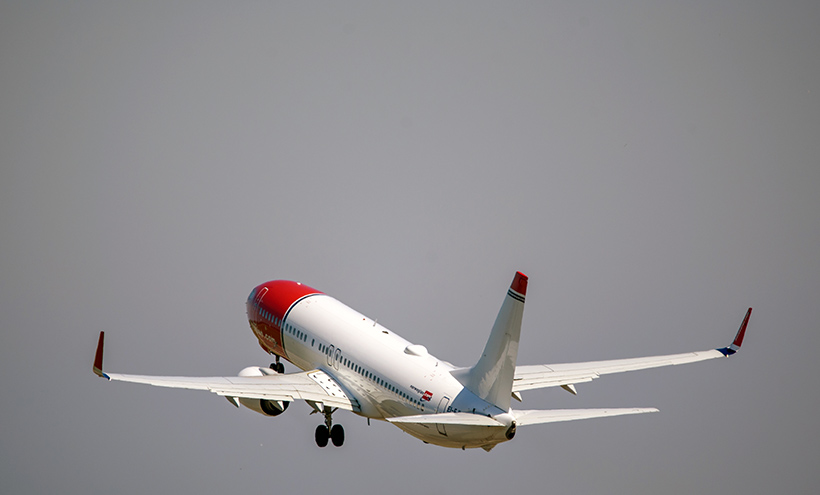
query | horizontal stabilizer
[451, 418]
[534, 417]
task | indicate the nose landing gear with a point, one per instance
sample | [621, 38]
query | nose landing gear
[335, 433]
[277, 366]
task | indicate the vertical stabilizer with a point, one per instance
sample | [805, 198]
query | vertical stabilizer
[492, 377]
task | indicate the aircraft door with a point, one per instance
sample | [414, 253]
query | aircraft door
[337, 356]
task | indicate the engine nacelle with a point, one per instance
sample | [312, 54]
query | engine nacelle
[262, 406]
[266, 407]
[257, 371]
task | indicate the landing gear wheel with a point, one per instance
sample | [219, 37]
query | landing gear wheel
[279, 368]
[322, 436]
[337, 435]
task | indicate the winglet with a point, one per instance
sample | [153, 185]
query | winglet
[98, 358]
[741, 332]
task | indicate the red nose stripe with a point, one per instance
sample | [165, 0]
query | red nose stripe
[281, 295]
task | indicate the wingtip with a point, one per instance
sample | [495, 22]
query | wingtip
[741, 332]
[98, 357]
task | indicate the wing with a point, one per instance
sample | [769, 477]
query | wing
[314, 386]
[567, 374]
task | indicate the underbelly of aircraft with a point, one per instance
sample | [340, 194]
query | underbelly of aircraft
[456, 436]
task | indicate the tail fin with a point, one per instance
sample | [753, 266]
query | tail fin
[492, 377]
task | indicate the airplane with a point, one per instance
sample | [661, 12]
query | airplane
[352, 362]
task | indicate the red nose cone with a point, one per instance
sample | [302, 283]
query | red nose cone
[279, 295]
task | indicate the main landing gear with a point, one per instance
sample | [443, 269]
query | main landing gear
[335, 433]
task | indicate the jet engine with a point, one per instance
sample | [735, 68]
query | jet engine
[266, 407]
[262, 406]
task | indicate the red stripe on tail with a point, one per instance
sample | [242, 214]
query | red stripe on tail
[519, 283]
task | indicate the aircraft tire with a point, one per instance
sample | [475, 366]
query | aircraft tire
[337, 435]
[321, 435]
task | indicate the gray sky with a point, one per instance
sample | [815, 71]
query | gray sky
[652, 166]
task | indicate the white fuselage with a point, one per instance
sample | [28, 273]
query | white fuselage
[388, 376]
